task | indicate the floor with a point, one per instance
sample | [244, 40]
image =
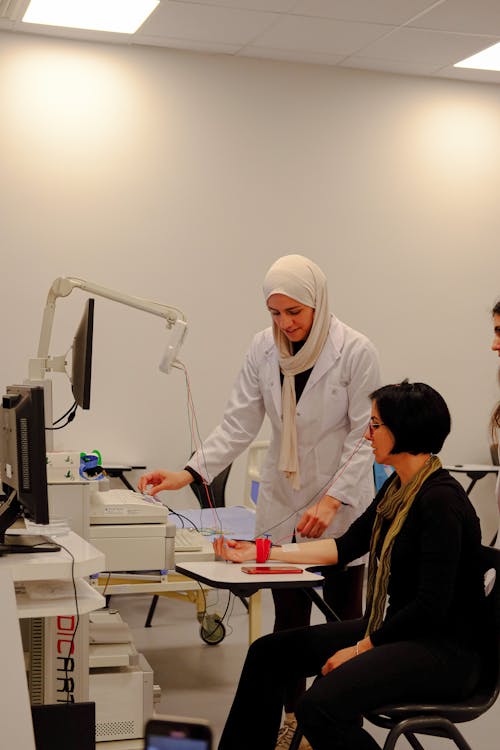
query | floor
[197, 679]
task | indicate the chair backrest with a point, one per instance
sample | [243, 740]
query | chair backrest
[495, 454]
[491, 676]
[216, 490]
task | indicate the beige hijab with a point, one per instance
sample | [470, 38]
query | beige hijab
[302, 280]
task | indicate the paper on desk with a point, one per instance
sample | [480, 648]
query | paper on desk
[235, 521]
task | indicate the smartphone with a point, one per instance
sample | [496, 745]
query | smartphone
[264, 569]
[177, 733]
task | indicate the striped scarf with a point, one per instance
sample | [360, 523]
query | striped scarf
[394, 507]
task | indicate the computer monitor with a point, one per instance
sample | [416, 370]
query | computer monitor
[23, 463]
[81, 365]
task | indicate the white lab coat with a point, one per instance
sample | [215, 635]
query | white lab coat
[332, 416]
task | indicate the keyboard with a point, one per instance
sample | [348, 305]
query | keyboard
[189, 540]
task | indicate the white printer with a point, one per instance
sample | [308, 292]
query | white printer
[125, 506]
[133, 532]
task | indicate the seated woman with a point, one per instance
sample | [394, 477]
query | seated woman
[419, 639]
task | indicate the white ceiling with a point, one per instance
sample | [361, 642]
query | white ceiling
[416, 37]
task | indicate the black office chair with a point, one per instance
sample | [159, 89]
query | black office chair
[215, 490]
[439, 720]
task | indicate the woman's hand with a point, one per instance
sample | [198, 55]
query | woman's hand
[164, 480]
[345, 654]
[318, 517]
[339, 657]
[234, 551]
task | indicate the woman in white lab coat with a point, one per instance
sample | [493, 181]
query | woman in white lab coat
[311, 375]
[495, 417]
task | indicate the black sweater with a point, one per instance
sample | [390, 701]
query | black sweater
[436, 585]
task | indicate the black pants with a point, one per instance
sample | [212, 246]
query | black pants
[342, 591]
[330, 712]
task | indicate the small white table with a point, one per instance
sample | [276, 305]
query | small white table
[475, 472]
[225, 575]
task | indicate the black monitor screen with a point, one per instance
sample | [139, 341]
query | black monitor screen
[81, 366]
[23, 456]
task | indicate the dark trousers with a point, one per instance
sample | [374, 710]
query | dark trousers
[330, 712]
[342, 591]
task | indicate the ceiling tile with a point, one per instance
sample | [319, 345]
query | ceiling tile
[273, 6]
[464, 16]
[418, 45]
[319, 35]
[393, 12]
[205, 23]
[188, 44]
[390, 66]
[285, 55]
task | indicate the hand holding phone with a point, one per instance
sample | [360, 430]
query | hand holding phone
[177, 733]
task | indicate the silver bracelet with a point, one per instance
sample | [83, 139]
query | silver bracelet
[357, 648]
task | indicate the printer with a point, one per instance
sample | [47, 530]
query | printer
[134, 533]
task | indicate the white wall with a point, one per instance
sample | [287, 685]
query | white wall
[181, 177]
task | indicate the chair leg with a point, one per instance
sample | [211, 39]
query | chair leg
[296, 739]
[323, 607]
[244, 602]
[408, 727]
[394, 735]
[151, 612]
[412, 740]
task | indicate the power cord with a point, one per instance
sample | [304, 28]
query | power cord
[69, 415]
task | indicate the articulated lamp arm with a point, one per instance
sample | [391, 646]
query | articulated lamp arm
[62, 287]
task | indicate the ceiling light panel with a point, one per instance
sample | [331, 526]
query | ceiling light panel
[487, 59]
[120, 16]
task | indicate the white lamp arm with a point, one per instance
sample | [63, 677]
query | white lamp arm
[62, 287]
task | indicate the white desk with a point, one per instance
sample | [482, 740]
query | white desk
[224, 575]
[45, 566]
[15, 707]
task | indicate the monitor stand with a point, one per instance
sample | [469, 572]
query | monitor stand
[11, 512]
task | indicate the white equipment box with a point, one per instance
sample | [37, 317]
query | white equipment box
[134, 533]
[124, 700]
[148, 546]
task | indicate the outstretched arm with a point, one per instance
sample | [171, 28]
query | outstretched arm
[321, 552]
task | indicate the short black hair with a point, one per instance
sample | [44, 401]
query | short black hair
[416, 414]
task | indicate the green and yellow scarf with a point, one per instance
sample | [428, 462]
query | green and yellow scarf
[394, 507]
